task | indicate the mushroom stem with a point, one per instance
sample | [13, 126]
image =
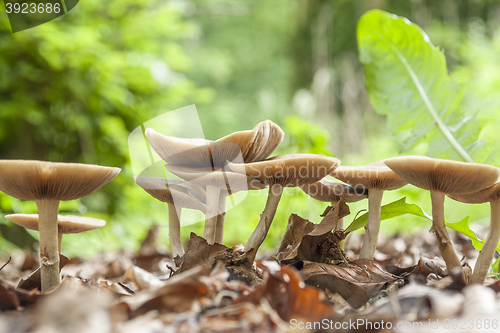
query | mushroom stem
[49, 242]
[266, 218]
[439, 229]
[211, 219]
[59, 241]
[340, 222]
[219, 229]
[174, 231]
[373, 225]
[487, 252]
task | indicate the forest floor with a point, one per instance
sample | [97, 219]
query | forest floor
[405, 289]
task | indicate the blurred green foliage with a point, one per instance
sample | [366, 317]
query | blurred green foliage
[74, 88]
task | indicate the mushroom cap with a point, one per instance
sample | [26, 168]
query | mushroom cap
[330, 191]
[174, 191]
[37, 180]
[192, 152]
[489, 194]
[288, 170]
[67, 224]
[219, 177]
[258, 143]
[376, 175]
[449, 177]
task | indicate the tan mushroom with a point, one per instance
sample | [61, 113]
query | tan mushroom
[258, 143]
[192, 152]
[67, 224]
[219, 184]
[442, 177]
[238, 147]
[377, 178]
[48, 183]
[177, 194]
[279, 172]
[327, 190]
[491, 195]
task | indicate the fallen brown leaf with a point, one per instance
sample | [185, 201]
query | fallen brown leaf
[302, 238]
[200, 253]
[286, 293]
[143, 279]
[178, 294]
[33, 281]
[355, 281]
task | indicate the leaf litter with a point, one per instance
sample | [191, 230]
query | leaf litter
[310, 278]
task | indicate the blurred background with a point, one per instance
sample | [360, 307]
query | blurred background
[73, 89]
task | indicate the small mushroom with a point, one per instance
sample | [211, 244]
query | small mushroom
[67, 224]
[442, 177]
[219, 184]
[177, 194]
[48, 183]
[329, 191]
[377, 178]
[279, 172]
[491, 195]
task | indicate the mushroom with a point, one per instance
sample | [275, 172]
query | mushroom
[244, 146]
[377, 178]
[48, 183]
[177, 194]
[219, 184]
[258, 143]
[442, 177]
[67, 224]
[279, 172]
[491, 195]
[329, 191]
[192, 152]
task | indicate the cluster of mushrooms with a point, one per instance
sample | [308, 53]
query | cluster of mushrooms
[210, 171]
[48, 183]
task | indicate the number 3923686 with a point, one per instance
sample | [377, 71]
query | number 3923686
[32, 8]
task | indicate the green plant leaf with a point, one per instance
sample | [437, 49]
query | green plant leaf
[407, 80]
[18, 236]
[401, 207]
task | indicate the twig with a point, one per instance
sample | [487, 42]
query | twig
[6, 263]
[172, 271]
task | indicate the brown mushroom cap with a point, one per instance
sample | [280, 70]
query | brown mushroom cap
[35, 180]
[192, 152]
[288, 170]
[444, 176]
[67, 224]
[174, 192]
[330, 191]
[372, 176]
[489, 194]
[257, 143]
[219, 177]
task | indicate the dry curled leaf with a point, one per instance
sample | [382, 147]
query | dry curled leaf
[302, 237]
[33, 280]
[8, 297]
[355, 281]
[200, 253]
[285, 291]
[178, 294]
[143, 279]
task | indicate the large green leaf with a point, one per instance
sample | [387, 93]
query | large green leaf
[407, 80]
[401, 207]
